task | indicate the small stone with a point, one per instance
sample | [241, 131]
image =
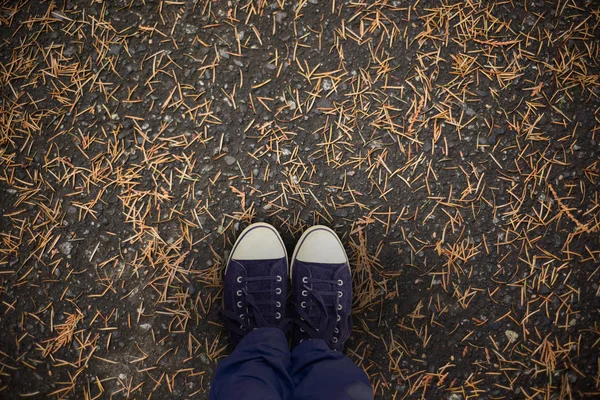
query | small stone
[65, 248]
[512, 336]
[324, 102]
[191, 29]
[341, 212]
[146, 327]
[204, 359]
[223, 53]
[229, 160]
[280, 16]
[115, 49]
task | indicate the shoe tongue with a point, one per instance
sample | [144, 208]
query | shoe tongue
[322, 271]
[325, 272]
[256, 268]
[262, 268]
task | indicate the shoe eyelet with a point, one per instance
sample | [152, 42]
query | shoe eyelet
[339, 318]
[278, 291]
[339, 307]
[239, 304]
[336, 330]
[277, 315]
[242, 327]
[304, 293]
[302, 330]
[334, 340]
[278, 304]
[301, 319]
[239, 293]
[340, 294]
[340, 282]
[278, 278]
[303, 305]
[304, 279]
[239, 279]
[241, 316]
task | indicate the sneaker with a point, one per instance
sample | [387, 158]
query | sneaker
[321, 289]
[255, 287]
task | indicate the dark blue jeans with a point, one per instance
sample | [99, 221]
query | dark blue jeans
[263, 368]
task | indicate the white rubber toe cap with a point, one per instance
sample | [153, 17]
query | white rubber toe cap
[259, 241]
[319, 244]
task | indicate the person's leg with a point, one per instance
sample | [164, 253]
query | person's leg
[254, 297]
[321, 373]
[322, 299]
[257, 369]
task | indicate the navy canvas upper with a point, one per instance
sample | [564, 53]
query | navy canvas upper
[254, 295]
[322, 302]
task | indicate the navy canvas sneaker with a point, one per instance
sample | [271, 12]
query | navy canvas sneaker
[255, 287]
[321, 289]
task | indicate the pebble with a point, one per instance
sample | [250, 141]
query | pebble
[65, 248]
[280, 16]
[146, 327]
[191, 29]
[324, 102]
[229, 160]
[223, 53]
[341, 212]
[115, 49]
[512, 336]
